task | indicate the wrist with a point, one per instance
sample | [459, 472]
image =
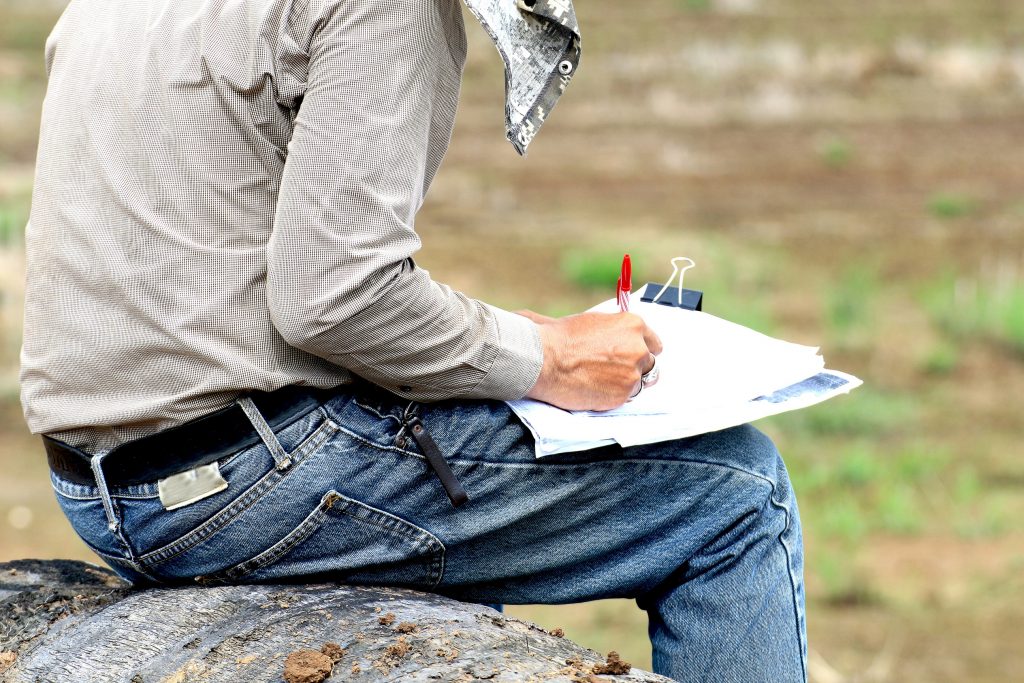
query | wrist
[541, 389]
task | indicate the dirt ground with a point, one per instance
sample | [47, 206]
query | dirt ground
[844, 174]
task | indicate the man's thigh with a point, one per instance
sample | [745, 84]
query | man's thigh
[609, 522]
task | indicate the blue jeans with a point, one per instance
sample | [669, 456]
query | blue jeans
[703, 532]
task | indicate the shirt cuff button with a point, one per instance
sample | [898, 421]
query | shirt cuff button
[565, 67]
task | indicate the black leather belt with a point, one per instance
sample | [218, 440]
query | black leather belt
[198, 442]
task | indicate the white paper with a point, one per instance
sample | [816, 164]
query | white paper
[714, 374]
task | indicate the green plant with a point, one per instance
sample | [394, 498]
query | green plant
[595, 268]
[696, 5]
[858, 467]
[941, 359]
[865, 412]
[917, 463]
[843, 519]
[835, 151]
[989, 307]
[966, 486]
[951, 205]
[13, 217]
[850, 305]
[898, 509]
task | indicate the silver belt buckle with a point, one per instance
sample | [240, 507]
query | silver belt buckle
[185, 488]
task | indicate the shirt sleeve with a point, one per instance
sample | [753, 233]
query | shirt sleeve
[370, 131]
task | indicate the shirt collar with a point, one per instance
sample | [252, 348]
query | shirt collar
[539, 41]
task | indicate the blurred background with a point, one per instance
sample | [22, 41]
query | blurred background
[845, 174]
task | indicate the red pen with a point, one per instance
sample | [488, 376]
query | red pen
[625, 285]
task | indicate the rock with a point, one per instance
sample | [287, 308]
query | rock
[70, 621]
[307, 666]
[613, 665]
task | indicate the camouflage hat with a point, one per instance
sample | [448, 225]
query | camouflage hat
[539, 41]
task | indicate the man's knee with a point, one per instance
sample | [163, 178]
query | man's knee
[747, 449]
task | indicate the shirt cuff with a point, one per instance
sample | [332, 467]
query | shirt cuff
[520, 357]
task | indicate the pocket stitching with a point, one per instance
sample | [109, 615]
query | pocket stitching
[333, 500]
[303, 531]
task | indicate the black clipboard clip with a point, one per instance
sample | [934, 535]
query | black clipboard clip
[679, 297]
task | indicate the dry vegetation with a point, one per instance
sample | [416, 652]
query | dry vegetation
[845, 174]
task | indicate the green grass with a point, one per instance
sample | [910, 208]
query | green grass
[900, 509]
[988, 307]
[850, 489]
[941, 359]
[737, 288]
[13, 218]
[695, 5]
[842, 584]
[981, 510]
[850, 308]
[835, 151]
[25, 30]
[949, 205]
[866, 412]
[598, 268]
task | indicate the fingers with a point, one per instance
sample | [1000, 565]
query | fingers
[652, 340]
[648, 377]
[594, 361]
[651, 360]
[637, 388]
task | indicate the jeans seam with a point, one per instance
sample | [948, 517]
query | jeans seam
[792, 578]
[246, 500]
[130, 561]
[420, 537]
[785, 547]
[789, 559]
[597, 463]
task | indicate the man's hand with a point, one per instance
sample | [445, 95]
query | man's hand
[592, 361]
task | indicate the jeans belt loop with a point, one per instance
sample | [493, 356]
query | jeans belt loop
[96, 464]
[282, 460]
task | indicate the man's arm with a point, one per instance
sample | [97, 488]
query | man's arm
[341, 280]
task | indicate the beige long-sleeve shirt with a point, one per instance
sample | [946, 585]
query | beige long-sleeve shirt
[224, 201]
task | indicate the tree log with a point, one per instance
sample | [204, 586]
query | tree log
[65, 621]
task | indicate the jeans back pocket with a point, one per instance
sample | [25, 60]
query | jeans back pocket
[343, 539]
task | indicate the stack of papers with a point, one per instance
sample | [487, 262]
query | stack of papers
[714, 374]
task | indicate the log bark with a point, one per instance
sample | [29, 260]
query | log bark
[64, 621]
